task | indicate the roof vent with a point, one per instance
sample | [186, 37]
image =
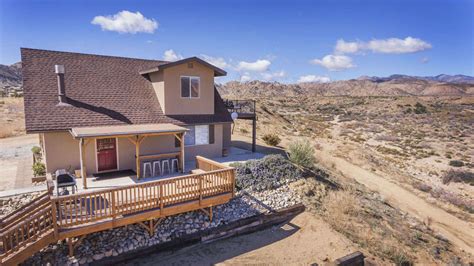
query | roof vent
[59, 69]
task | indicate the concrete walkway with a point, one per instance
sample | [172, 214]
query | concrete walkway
[16, 161]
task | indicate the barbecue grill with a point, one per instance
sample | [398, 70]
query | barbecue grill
[65, 180]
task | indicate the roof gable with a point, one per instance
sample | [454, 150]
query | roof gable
[217, 71]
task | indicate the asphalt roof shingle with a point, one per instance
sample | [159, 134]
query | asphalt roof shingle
[101, 91]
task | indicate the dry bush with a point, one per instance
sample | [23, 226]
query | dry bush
[387, 138]
[458, 176]
[271, 139]
[422, 186]
[450, 197]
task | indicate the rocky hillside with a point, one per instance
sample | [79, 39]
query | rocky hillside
[10, 75]
[405, 86]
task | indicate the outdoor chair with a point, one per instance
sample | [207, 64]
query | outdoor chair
[147, 166]
[157, 168]
[165, 164]
[174, 165]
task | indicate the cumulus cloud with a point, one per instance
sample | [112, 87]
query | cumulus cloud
[171, 55]
[274, 75]
[334, 62]
[217, 61]
[343, 47]
[385, 46]
[126, 22]
[245, 77]
[260, 65]
[314, 78]
[398, 46]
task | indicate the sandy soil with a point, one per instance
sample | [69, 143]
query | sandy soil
[304, 240]
[16, 161]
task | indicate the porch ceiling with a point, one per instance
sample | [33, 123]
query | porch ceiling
[126, 130]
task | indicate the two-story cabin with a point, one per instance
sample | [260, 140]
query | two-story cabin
[99, 113]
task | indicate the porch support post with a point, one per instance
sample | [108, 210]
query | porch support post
[181, 141]
[137, 155]
[254, 134]
[82, 147]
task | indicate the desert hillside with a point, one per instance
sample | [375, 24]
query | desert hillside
[402, 86]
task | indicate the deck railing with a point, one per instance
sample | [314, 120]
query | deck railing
[55, 213]
[240, 106]
[92, 206]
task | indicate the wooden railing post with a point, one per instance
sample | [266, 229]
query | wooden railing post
[161, 197]
[200, 189]
[113, 204]
[54, 216]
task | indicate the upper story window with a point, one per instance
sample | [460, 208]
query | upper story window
[190, 87]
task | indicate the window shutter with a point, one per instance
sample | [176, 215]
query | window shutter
[176, 142]
[211, 134]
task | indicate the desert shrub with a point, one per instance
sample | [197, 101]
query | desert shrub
[270, 172]
[36, 150]
[244, 131]
[456, 163]
[452, 198]
[39, 169]
[458, 176]
[420, 108]
[422, 186]
[302, 153]
[271, 139]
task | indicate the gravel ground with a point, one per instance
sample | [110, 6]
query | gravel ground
[119, 240]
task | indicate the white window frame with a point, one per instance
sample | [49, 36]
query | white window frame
[190, 95]
[191, 145]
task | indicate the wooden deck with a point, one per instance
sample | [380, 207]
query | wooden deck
[52, 218]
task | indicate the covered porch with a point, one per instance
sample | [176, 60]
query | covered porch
[106, 138]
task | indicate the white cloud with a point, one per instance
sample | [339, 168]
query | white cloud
[386, 46]
[273, 76]
[217, 61]
[334, 62]
[245, 77]
[314, 78]
[398, 46]
[260, 65]
[171, 55]
[126, 22]
[343, 47]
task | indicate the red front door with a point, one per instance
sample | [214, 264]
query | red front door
[107, 154]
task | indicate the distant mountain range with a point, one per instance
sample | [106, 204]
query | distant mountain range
[394, 85]
[10, 76]
[439, 78]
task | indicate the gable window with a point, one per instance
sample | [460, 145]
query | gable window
[198, 135]
[190, 87]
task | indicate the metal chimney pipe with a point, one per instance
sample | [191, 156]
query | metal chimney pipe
[59, 69]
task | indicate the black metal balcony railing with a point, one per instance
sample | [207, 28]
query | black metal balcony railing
[240, 106]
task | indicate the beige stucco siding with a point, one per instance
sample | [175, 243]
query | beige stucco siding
[62, 150]
[167, 86]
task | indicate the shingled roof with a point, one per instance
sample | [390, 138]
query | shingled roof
[101, 91]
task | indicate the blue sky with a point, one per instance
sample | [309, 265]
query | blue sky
[287, 41]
